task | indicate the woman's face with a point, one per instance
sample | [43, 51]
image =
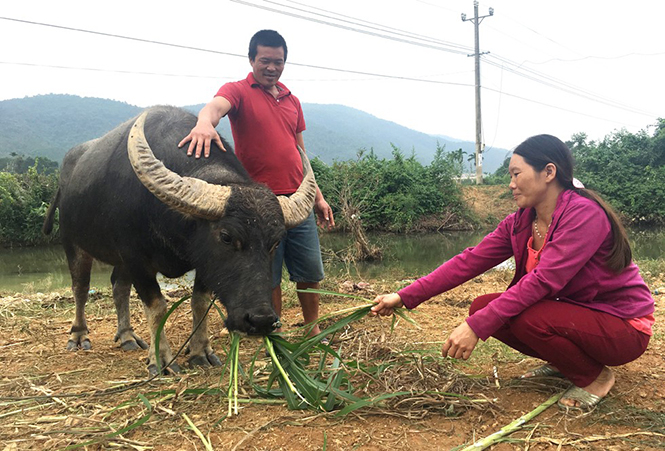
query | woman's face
[528, 185]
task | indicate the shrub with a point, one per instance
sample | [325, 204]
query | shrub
[24, 199]
[391, 195]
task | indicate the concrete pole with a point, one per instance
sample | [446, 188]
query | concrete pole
[479, 144]
[479, 139]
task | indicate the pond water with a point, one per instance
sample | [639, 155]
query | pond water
[404, 256]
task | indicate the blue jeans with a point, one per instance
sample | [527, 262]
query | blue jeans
[301, 252]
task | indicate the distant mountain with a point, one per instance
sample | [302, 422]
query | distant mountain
[49, 125]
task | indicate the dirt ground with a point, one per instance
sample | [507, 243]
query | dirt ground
[34, 362]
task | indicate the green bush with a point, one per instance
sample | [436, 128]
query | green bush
[500, 176]
[391, 195]
[24, 199]
[628, 170]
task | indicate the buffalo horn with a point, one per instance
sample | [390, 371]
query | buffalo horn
[299, 205]
[185, 194]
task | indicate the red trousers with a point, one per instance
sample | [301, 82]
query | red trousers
[576, 340]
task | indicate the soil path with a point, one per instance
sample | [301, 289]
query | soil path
[34, 362]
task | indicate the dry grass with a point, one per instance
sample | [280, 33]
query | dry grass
[52, 399]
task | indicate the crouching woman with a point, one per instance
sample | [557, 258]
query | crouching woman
[577, 300]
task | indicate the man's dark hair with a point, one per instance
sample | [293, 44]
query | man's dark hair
[266, 38]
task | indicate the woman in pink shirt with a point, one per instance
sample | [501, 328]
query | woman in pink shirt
[577, 300]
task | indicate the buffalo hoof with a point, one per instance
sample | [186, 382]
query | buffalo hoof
[174, 368]
[133, 345]
[76, 345]
[204, 361]
[131, 341]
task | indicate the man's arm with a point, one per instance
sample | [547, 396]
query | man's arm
[204, 132]
[323, 211]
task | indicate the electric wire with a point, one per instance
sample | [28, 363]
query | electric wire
[558, 84]
[440, 45]
[384, 27]
[219, 52]
[513, 67]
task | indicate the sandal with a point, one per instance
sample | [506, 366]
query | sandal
[542, 371]
[586, 401]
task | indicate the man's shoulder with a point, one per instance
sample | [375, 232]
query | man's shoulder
[235, 89]
[238, 84]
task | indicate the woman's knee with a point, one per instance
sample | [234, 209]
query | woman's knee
[481, 302]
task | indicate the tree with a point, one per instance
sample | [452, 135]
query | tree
[628, 170]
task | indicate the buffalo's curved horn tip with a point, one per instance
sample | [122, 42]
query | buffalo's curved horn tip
[299, 205]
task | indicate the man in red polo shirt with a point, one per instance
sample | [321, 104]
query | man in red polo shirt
[267, 124]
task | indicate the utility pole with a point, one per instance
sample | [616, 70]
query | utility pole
[479, 145]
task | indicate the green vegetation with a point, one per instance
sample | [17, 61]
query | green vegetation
[398, 195]
[24, 199]
[627, 169]
[19, 164]
[50, 125]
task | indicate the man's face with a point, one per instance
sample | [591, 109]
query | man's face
[268, 65]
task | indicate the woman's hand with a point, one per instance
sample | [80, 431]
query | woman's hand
[386, 304]
[461, 342]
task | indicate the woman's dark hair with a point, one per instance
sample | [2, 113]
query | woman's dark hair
[266, 38]
[540, 150]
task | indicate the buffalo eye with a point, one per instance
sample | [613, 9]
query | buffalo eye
[274, 247]
[226, 238]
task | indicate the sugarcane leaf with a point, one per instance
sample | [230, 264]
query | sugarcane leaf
[334, 381]
[405, 315]
[369, 402]
[160, 328]
[334, 293]
[121, 431]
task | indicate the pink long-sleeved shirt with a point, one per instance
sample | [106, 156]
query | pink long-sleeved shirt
[571, 268]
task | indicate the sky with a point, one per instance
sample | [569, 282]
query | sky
[558, 67]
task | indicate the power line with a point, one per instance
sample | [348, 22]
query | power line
[118, 36]
[434, 44]
[515, 67]
[114, 71]
[616, 57]
[554, 83]
[552, 106]
[371, 74]
[536, 32]
[378, 26]
[218, 52]
[92, 69]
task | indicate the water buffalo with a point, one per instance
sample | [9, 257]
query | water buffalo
[132, 199]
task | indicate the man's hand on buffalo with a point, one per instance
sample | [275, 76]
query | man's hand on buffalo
[201, 138]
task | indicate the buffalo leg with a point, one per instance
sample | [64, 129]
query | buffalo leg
[80, 264]
[122, 286]
[154, 305]
[201, 353]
